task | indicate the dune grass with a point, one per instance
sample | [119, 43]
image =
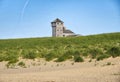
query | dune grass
[62, 48]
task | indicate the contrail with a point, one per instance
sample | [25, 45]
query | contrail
[23, 10]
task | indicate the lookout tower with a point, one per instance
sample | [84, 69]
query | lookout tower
[59, 30]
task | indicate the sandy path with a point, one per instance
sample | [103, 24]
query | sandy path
[65, 72]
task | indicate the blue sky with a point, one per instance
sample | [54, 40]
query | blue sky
[31, 18]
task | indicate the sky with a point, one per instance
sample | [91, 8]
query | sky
[32, 18]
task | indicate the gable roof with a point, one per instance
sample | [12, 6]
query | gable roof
[67, 31]
[57, 20]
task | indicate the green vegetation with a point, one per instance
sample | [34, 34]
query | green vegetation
[101, 57]
[78, 59]
[21, 64]
[62, 48]
[28, 54]
[114, 51]
[117, 73]
[108, 63]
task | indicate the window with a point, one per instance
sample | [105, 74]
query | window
[54, 24]
[59, 23]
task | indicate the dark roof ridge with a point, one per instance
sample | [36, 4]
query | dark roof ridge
[57, 20]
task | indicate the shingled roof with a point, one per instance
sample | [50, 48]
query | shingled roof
[57, 20]
[67, 31]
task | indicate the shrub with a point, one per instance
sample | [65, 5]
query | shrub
[13, 60]
[114, 51]
[11, 56]
[11, 63]
[101, 57]
[21, 64]
[2, 57]
[50, 56]
[42, 52]
[90, 60]
[70, 52]
[67, 55]
[61, 58]
[29, 55]
[85, 53]
[78, 59]
[108, 63]
[95, 52]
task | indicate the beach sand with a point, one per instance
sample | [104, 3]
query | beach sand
[107, 70]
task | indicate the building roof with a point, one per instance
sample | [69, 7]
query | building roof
[67, 31]
[57, 20]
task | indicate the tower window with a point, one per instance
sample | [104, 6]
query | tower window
[58, 23]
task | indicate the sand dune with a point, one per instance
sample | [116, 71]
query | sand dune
[68, 71]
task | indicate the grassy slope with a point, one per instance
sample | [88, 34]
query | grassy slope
[95, 46]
